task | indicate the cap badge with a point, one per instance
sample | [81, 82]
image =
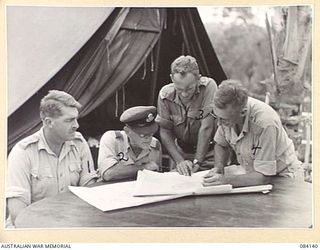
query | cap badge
[150, 117]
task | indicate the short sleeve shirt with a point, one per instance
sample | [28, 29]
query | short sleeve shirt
[35, 172]
[184, 121]
[115, 148]
[263, 145]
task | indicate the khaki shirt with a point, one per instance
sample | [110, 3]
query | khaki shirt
[184, 121]
[263, 145]
[35, 172]
[115, 148]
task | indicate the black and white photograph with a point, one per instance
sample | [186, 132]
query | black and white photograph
[159, 117]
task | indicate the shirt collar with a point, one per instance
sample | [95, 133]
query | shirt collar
[43, 142]
[246, 127]
[127, 145]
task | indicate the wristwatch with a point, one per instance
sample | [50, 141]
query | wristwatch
[196, 162]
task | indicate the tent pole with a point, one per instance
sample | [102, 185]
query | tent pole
[155, 74]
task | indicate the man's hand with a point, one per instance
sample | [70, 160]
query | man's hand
[151, 166]
[213, 178]
[185, 167]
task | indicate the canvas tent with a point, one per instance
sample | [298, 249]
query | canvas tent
[109, 59]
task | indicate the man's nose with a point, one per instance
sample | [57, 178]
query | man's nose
[145, 136]
[184, 94]
[75, 124]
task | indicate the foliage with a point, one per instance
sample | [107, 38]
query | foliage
[242, 49]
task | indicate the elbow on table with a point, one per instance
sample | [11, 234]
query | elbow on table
[264, 180]
[108, 175]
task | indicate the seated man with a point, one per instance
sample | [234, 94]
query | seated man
[48, 161]
[254, 131]
[184, 107]
[123, 153]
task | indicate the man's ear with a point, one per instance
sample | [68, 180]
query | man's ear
[171, 77]
[48, 122]
[126, 129]
[243, 112]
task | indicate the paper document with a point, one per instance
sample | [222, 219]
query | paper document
[172, 183]
[115, 196]
[154, 187]
[151, 183]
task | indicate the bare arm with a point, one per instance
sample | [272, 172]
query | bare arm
[204, 136]
[244, 180]
[221, 155]
[167, 139]
[15, 206]
[184, 167]
[120, 171]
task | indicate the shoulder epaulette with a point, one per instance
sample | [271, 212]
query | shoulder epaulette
[29, 140]
[204, 80]
[255, 128]
[118, 134]
[155, 143]
[167, 91]
[79, 136]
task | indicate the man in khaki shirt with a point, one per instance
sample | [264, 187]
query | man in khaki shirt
[123, 153]
[255, 133]
[48, 161]
[184, 108]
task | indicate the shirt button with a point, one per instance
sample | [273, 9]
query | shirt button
[61, 174]
[61, 189]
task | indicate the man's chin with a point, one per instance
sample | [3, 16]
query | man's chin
[145, 146]
[186, 98]
[71, 136]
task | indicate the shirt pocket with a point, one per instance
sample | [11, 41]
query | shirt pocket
[177, 119]
[41, 183]
[247, 159]
[74, 172]
[41, 173]
[195, 114]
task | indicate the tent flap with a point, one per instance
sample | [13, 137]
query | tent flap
[133, 47]
[38, 47]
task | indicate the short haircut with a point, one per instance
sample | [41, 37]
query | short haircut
[230, 92]
[52, 104]
[185, 64]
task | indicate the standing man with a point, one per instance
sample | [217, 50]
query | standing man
[184, 107]
[123, 153]
[48, 161]
[254, 131]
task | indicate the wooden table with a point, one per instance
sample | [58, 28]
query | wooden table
[288, 205]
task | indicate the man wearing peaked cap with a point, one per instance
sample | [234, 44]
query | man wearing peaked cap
[123, 153]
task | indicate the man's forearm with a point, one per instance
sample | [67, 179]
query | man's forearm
[221, 155]
[120, 171]
[15, 206]
[204, 137]
[167, 140]
[249, 179]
